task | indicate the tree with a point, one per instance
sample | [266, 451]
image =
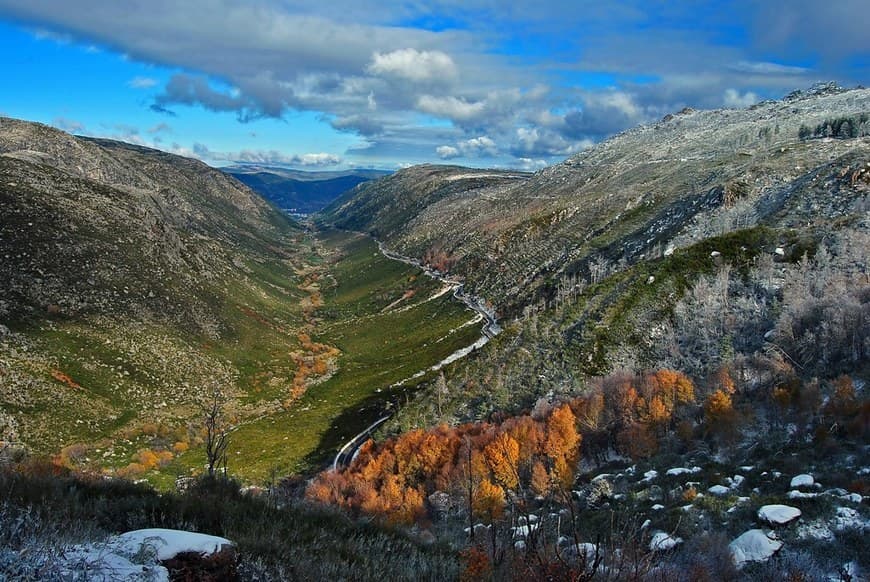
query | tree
[502, 456]
[488, 500]
[720, 415]
[217, 437]
[541, 483]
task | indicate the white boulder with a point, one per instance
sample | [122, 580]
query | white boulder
[662, 541]
[778, 514]
[753, 546]
[719, 490]
[803, 480]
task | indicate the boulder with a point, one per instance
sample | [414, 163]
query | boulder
[753, 546]
[803, 480]
[778, 514]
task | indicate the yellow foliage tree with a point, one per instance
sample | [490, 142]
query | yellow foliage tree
[502, 456]
[488, 500]
[540, 483]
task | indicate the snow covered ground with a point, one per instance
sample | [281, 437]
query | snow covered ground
[136, 555]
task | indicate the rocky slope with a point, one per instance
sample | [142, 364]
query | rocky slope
[515, 238]
[103, 227]
[711, 239]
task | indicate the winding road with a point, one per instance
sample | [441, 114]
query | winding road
[489, 330]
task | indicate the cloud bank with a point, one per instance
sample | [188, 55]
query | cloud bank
[511, 84]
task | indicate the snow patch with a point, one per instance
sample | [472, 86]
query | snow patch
[795, 494]
[135, 555]
[682, 471]
[649, 476]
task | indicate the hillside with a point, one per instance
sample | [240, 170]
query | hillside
[133, 283]
[516, 238]
[680, 391]
[692, 243]
[297, 191]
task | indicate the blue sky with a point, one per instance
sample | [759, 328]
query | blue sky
[378, 84]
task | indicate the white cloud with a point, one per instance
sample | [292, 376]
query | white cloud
[267, 157]
[450, 107]
[530, 165]
[479, 145]
[413, 65]
[142, 82]
[767, 68]
[364, 69]
[447, 152]
[733, 98]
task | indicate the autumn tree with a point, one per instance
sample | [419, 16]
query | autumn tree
[502, 456]
[720, 415]
[562, 443]
[489, 500]
[541, 483]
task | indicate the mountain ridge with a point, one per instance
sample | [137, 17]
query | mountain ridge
[300, 192]
[511, 242]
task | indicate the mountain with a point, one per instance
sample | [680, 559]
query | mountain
[132, 283]
[705, 239]
[297, 191]
[138, 287]
[514, 238]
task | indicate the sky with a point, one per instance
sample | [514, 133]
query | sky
[380, 84]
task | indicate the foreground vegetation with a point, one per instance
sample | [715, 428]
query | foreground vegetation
[45, 509]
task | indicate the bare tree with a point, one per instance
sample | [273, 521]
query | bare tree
[216, 433]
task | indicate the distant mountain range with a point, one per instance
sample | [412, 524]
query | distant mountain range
[300, 192]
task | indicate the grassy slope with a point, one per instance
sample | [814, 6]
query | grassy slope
[130, 372]
[378, 348]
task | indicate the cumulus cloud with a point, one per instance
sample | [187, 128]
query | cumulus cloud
[413, 65]
[450, 107]
[535, 142]
[481, 146]
[447, 152]
[142, 82]
[184, 89]
[530, 165]
[733, 98]
[356, 65]
[366, 125]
